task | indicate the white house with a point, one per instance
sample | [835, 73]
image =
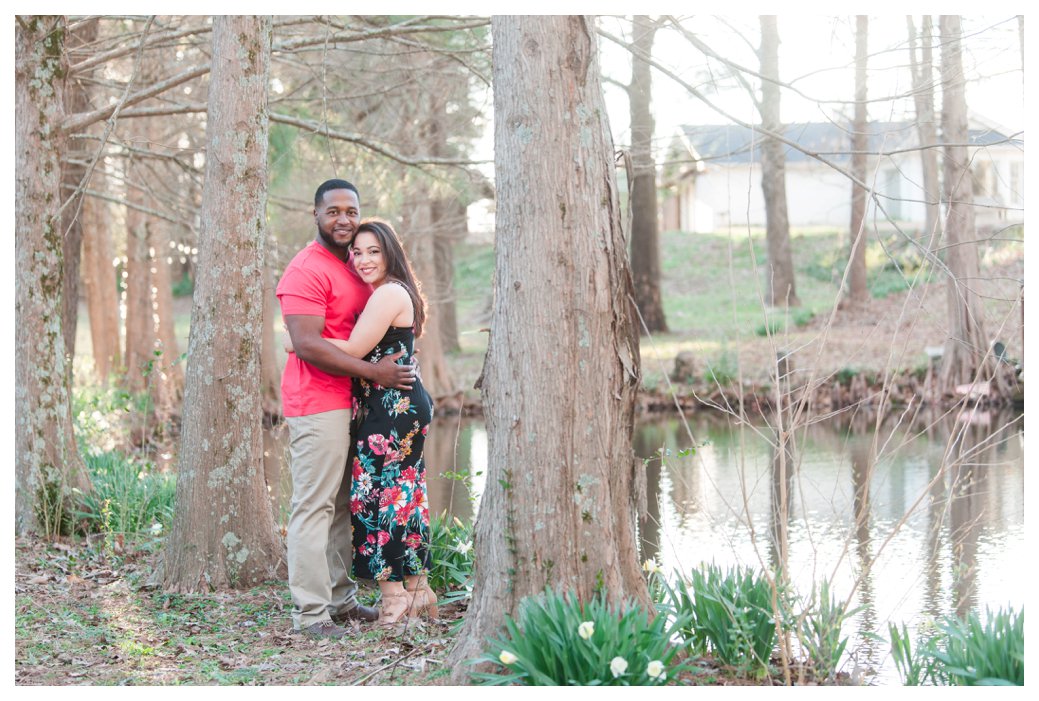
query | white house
[719, 184]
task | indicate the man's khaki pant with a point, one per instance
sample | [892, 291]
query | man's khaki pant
[319, 545]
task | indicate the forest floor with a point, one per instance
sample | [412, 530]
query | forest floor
[84, 616]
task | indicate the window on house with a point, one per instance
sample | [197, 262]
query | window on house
[1016, 182]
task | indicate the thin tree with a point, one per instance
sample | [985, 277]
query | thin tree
[223, 534]
[558, 508]
[645, 236]
[47, 464]
[99, 286]
[74, 170]
[780, 290]
[966, 356]
[858, 293]
[922, 68]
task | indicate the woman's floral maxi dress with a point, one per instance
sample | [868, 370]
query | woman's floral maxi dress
[388, 499]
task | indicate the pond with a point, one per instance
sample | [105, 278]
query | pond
[913, 518]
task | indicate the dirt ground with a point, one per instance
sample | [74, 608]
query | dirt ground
[84, 617]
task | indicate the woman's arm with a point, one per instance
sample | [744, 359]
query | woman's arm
[305, 336]
[389, 305]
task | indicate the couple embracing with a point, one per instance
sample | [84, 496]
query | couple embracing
[353, 309]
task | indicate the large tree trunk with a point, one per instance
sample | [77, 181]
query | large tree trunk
[966, 356]
[858, 292]
[47, 464]
[223, 535]
[645, 243]
[926, 126]
[780, 290]
[558, 507]
[99, 286]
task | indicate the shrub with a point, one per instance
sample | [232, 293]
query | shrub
[557, 640]
[451, 552]
[771, 327]
[887, 282]
[965, 652]
[184, 287]
[973, 653]
[730, 613]
[99, 418]
[722, 371]
[820, 631]
[802, 317]
[127, 498]
[914, 666]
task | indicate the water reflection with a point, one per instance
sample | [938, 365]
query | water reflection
[912, 518]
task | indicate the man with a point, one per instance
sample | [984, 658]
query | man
[321, 297]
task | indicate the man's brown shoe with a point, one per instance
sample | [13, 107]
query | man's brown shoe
[357, 613]
[325, 629]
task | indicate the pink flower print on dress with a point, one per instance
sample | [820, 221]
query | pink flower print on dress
[403, 514]
[383, 538]
[389, 496]
[378, 443]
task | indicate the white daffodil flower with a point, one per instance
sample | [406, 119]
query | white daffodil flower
[507, 657]
[655, 670]
[618, 666]
[586, 629]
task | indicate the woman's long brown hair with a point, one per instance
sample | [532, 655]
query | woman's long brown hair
[398, 267]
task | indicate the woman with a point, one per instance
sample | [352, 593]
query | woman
[390, 512]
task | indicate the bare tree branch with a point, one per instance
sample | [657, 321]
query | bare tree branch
[81, 121]
[364, 141]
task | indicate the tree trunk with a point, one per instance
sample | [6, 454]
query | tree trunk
[417, 235]
[47, 464]
[167, 379]
[74, 170]
[140, 339]
[926, 127]
[645, 243]
[99, 287]
[449, 227]
[966, 350]
[223, 534]
[558, 507]
[270, 368]
[858, 292]
[780, 290]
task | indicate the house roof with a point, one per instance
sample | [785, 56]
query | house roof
[732, 143]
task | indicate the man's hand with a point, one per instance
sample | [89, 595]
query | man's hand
[387, 373]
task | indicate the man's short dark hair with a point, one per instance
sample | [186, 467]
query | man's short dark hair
[334, 184]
